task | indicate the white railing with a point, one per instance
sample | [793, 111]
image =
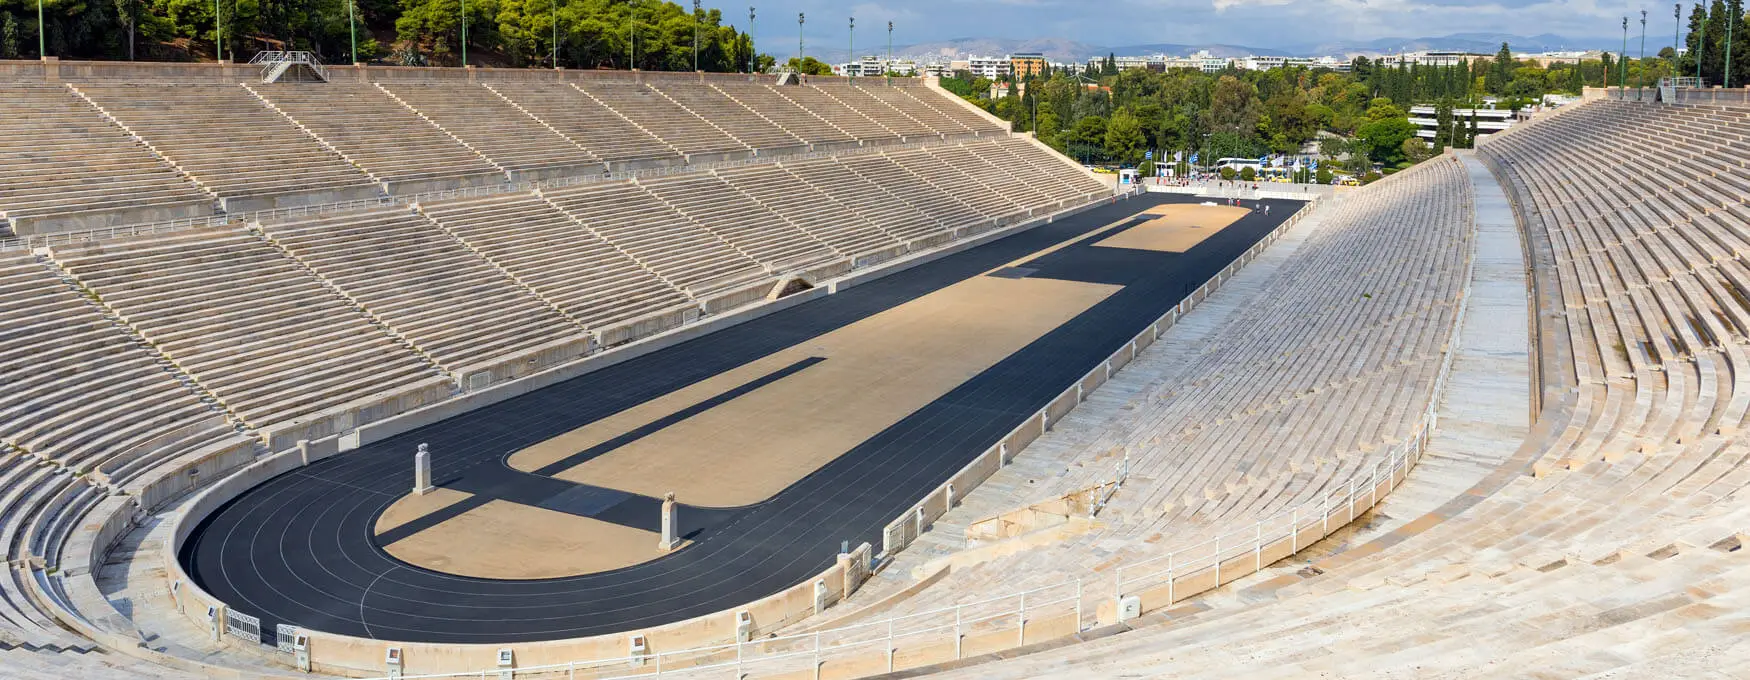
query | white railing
[955, 628]
[1166, 570]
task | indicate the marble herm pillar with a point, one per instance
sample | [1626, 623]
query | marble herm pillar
[670, 540]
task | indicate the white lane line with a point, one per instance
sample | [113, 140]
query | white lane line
[367, 593]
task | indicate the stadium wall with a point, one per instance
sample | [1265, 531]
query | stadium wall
[53, 70]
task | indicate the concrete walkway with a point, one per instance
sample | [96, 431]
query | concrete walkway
[1485, 409]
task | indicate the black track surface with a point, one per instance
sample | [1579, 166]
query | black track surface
[299, 548]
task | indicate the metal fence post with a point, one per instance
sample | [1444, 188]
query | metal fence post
[1351, 499]
[890, 645]
[1294, 532]
[1021, 622]
[957, 631]
[1258, 547]
[1078, 604]
[1218, 560]
[1170, 579]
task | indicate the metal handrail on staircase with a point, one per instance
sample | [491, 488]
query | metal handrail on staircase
[275, 63]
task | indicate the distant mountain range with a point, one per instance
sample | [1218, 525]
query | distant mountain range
[1065, 50]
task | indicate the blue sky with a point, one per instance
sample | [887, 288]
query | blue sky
[1260, 23]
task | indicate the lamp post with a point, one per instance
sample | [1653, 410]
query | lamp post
[695, 36]
[1641, 75]
[353, 29]
[1676, 34]
[1622, 82]
[887, 68]
[555, 34]
[1701, 41]
[632, 34]
[800, 19]
[751, 52]
[464, 32]
[218, 30]
[853, 49]
[42, 41]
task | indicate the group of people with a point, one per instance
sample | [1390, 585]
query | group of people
[1257, 206]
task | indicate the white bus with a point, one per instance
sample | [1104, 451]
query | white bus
[1239, 164]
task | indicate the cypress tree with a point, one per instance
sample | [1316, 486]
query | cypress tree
[1713, 51]
[1695, 41]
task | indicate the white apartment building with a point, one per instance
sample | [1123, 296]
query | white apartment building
[876, 66]
[1489, 121]
[988, 67]
[1429, 58]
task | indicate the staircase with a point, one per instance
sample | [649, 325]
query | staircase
[299, 66]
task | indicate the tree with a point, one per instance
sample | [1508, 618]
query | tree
[1086, 140]
[1713, 51]
[1362, 68]
[808, 66]
[1415, 150]
[1234, 107]
[1383, 140]
[1501, 70]
[1124, 139]
[1695, 40]
[1324, 175]
[1740, 45]
[1442, 123]
[1227, 173]
[1470, 138]
[1248, 174]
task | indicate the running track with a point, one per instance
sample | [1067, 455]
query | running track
[299, 549]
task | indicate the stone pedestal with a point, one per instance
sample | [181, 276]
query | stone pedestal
[670, 539]
[422, 471]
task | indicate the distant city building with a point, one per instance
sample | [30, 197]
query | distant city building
[1209, 63]
[1548, 59]
[1429, 59]
[876, 66]
[998, 90]
[988, 67]
[1489, 120]
[1027, 64]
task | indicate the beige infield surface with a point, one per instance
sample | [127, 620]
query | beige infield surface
[870, 375]
[1178, 229]
[506, 540]
[876, 372]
